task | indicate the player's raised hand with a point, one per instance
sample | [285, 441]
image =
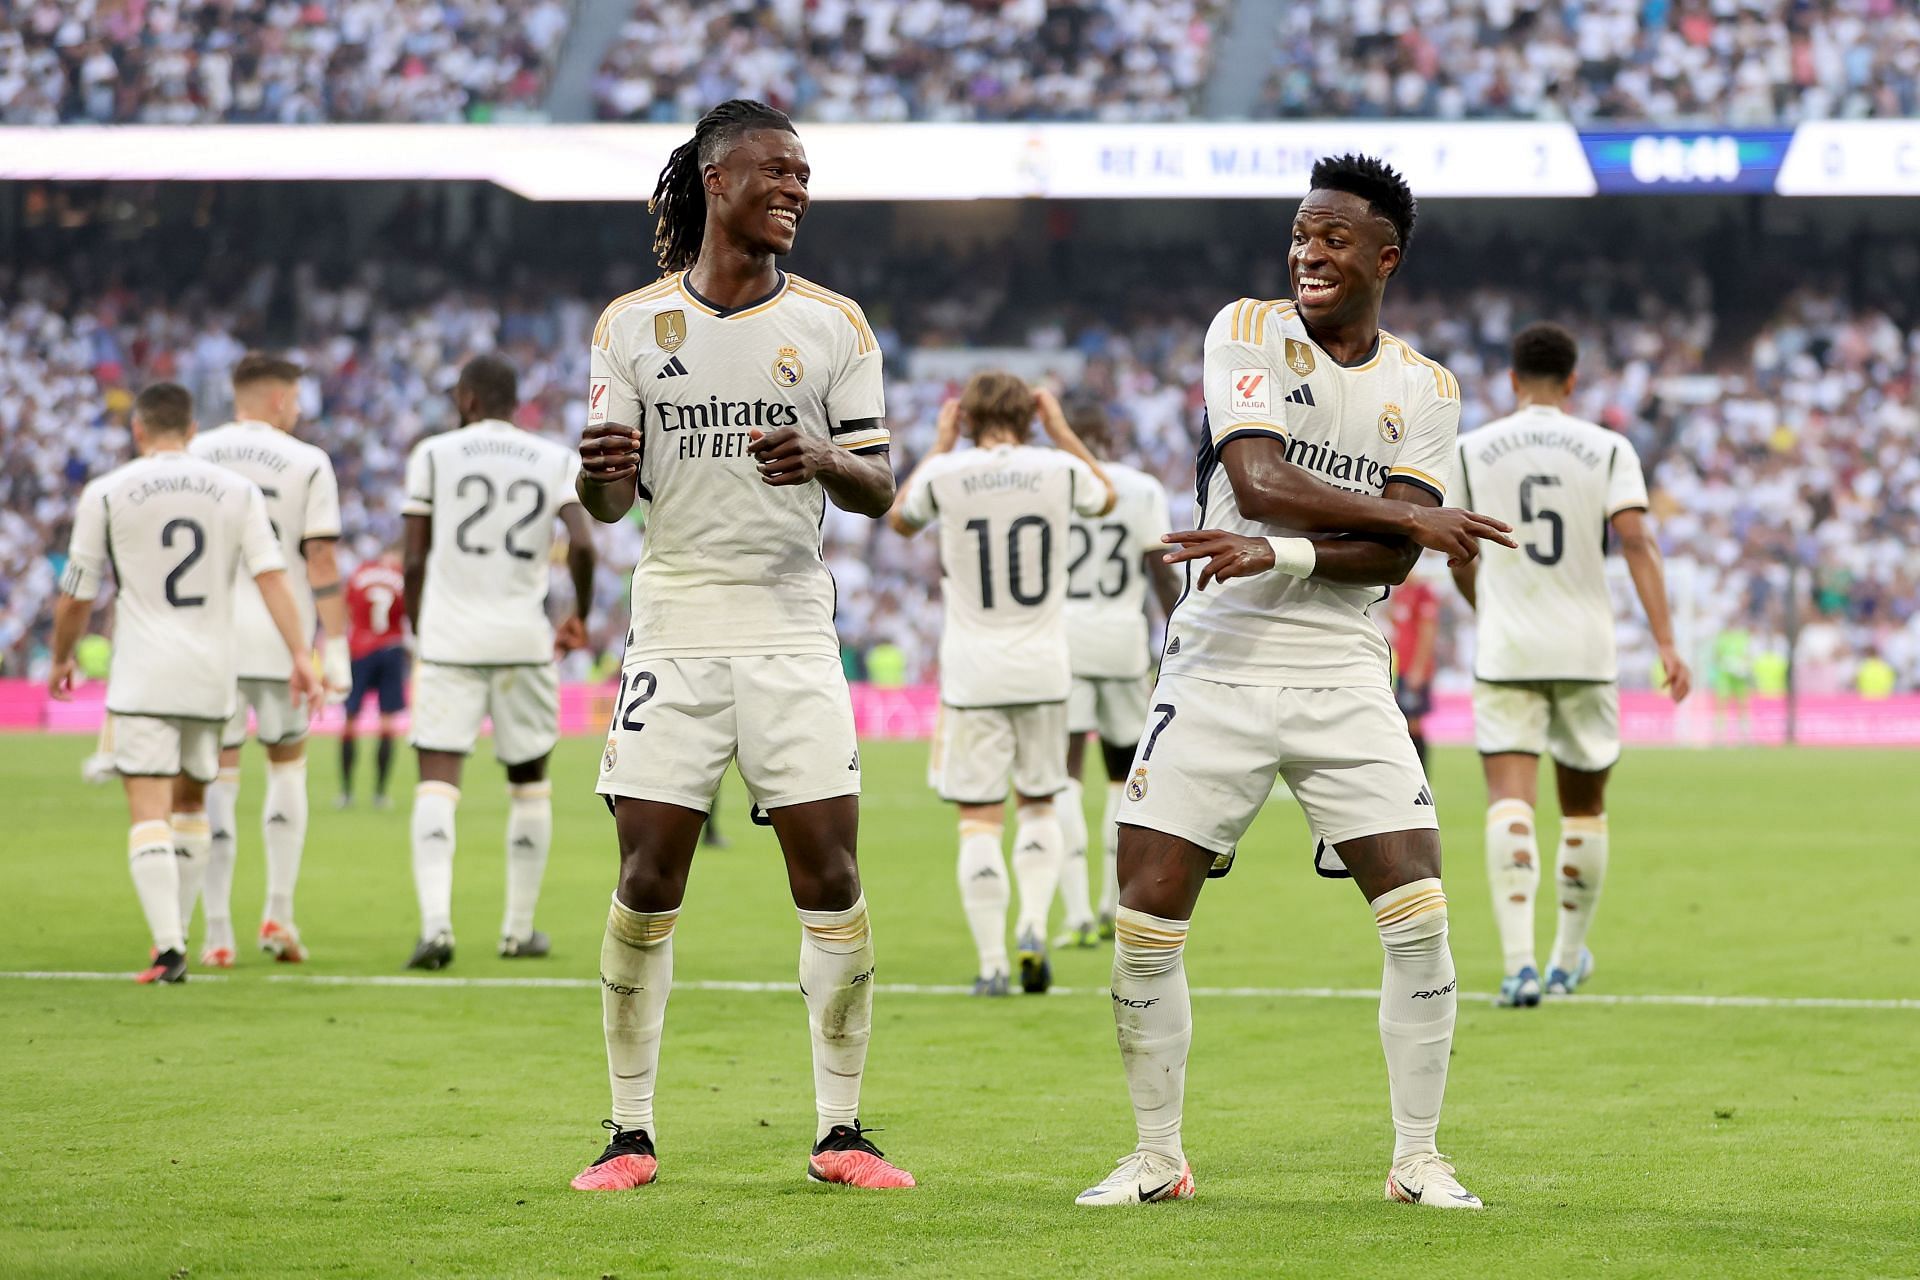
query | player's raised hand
[570, 635]
[789, 455]
[1053, 419]
[60, 681]
[1457, 533]
[1228, 555]
[1679, 675]
[610, 452]
[946, 430]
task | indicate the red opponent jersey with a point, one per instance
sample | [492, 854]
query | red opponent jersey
[376, 607]
[1416, 615]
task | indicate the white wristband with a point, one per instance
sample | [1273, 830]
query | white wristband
[1293, 556]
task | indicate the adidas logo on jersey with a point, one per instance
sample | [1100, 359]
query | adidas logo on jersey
[1302, 394]
[1425, 797]
[674, 369]
[1173, 646]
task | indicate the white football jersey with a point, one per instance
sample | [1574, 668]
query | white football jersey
[1006, 516]
[303, 503]
[1107, 635]
[1544, 612]
[493, 492]
[1392, 417]
[732, 566]
[179, 533]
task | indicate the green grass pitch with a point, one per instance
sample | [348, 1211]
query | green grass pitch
[254, 1127]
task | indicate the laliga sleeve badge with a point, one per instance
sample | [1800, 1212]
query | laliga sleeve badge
[787, 369]
[1392, 424]
[1252, 391]
[597, 389]
[1137, 785]
[670, 329]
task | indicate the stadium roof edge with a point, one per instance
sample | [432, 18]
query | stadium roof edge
[1223, 160]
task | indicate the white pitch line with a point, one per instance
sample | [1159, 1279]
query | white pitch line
[936, 989]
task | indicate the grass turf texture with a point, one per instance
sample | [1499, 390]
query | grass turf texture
[248, 1128]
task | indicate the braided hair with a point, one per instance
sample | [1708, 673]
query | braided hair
[680, 197]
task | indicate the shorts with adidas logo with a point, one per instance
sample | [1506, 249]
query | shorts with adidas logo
[1207, 760]
[678, 722]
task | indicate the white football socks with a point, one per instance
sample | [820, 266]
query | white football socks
[984, 894]
[1513, 870]
[1582, 870]
[636, 975]
[1074, 884]
[1153, 1020]
[529, 836]
[157, 880]
[836, 977]
[283, 823]
[1110, 842]
[192, 838]
[1036, 866]
[1417, 1000]
[216, 897]
[434, 804]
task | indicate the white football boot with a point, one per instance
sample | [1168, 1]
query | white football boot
[1428, 1179]
[1142, 1177]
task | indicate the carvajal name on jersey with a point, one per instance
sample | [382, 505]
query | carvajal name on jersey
[192, 486]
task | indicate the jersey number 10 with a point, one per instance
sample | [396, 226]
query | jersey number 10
[982, 528]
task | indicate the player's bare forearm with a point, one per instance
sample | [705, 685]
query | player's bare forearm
[1068, 441]
[70, 616]
[1268, 488]
[278, 597]
[1363, 560]
[1644, 564]
[323, 576]
[859, 482]
[607, 501]
[581, 558]
[418, 538]
[1466, 578]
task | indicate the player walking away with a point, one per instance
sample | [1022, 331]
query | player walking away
[1006, 514]
[303, 503]
[1325, 458]
[376, 607]
[1110, 562]
[738, 400]
[178, 531]
[479, 528]
[1544, 667]
[1416, 625]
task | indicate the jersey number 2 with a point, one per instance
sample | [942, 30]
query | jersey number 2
[198, 537]
[1556, 527]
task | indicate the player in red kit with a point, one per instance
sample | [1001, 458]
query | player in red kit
[1416, 624]
[376, 610]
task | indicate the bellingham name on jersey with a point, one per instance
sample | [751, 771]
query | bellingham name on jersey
[1391, 417]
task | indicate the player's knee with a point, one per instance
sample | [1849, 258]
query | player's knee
[646, 886]
[832, 884]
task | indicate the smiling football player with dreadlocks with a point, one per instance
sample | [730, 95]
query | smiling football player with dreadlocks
[738, 400]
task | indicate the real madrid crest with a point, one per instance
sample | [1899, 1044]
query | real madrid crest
[787, 369]
[670, 329]
[1392, 425]
[611, 758]
[1137, 785]
[1299, 357]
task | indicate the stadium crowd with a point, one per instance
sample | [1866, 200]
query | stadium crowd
[866, 60]
[1739, 63]
[1815, 420]
[274, 61]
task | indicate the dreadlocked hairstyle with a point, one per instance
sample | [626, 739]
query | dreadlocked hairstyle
[680, 197]
[1376, 182]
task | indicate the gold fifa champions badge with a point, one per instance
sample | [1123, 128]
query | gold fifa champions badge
[1137, 785]
[670, 329]
[1299, 357]
[1392, 425]
[787, 369]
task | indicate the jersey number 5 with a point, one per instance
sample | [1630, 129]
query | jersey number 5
[1530, 511]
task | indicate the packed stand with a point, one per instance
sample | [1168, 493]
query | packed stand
[275, 61]
[1800, 448]
[882, 60]
[1737, 63]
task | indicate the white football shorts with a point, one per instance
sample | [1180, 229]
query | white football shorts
[978, 751]
[164, 747]
[1207, 763]
[450, 702]
[1577, 722]
[276, 720]
[678, 722]
[1116, 707]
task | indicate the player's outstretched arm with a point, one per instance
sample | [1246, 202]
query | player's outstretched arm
[946, 434]
[609, 482]
[1061, 432]
[1649, 574]
[416, 541]
[1270, 489]
[1347, 559]
[278, 597]
[581, 558]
